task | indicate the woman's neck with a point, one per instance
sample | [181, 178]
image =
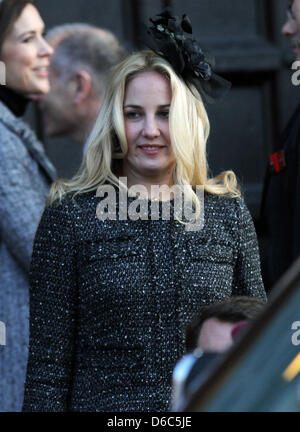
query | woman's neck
[15, 102]
[156, 187]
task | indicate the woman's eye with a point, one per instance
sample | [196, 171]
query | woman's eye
[28, 39]
[164, 114]
[132, 115]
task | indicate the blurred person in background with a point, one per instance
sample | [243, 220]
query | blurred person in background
[212, 328]
[83, 56]
[25, 178]
[211, 333]
[281, 197]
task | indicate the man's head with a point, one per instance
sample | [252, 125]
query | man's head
[291, 27]
[79, 67]
[214, 326]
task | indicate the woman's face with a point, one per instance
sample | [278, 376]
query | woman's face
[26, 54]
[146, 116]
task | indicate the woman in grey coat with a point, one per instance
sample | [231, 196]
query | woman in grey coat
[25, 177]
[114, 279]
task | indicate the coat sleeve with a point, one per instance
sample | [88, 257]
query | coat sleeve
[294, 187]
[21, 201]
[247, 273]
[53, 302]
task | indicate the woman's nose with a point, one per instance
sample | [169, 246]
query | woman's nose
[151, 128]
[45, 49]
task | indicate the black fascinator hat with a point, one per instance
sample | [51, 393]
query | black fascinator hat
[166, 37]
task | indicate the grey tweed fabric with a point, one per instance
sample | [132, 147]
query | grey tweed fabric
[110, 300]
[25, 176]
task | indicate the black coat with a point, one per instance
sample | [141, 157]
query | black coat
[110, 301]
[281, 207]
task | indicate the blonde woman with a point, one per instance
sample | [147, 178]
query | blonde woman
[111, 296]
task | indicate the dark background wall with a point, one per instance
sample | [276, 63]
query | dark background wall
[244, 36]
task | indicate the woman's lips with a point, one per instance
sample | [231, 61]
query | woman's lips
[41, 72]
[151, 149]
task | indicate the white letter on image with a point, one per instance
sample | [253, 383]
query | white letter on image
[296, 335]
[123, 202]
[2, 333]
[138, 209]
[106, 209]
[2, 73]
[295, 79]
[189, 213]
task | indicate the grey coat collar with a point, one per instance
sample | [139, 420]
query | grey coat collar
[28, 137]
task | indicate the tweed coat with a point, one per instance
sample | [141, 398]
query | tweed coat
[110, 300]
[25, 176]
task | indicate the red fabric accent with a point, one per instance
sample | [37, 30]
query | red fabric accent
[277, 161]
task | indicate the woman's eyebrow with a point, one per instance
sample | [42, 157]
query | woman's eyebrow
[31, 32]
[132, 106]
[138, 106]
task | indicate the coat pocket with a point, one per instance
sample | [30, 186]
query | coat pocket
[111, 249]
[210, 250]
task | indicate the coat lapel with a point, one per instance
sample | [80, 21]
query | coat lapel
[34, 147]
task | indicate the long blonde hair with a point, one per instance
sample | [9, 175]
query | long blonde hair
[189, 130]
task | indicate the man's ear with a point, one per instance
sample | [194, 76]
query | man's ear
[83, 82]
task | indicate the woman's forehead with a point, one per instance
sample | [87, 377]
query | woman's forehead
[28, 21]
[148, 84]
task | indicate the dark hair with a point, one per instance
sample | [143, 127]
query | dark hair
[233, 310]
[10, 10]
